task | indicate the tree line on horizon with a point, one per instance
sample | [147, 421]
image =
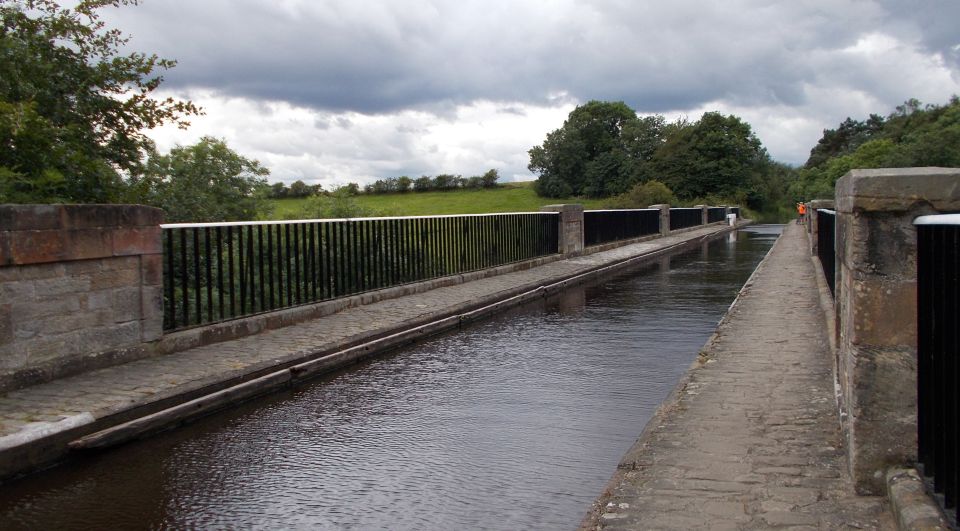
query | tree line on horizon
[79, 136]
[391, 185]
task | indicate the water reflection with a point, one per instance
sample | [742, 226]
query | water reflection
[516, 422]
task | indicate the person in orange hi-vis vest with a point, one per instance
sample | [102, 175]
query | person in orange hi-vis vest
[801, 213]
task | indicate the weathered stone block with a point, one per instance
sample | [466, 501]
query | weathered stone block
[55, 288]
[893, 255]
[922, 190]
[31, 272]
[29, 217]
[887, 312]
[89, 216]
[12, 357]
[45, 349]
[17, 290]
[6, 324]
[115, 278]
[137, 241]
[113, 337]
[43, 306]
[126, 304]
[151, 268]
[139, 216]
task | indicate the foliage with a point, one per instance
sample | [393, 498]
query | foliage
[335, 205]
[596, 153]
[204, 182]
[643, 195]
[73, 107]
[604, 149]
[717, 155]
[913, 135]
[444, 181]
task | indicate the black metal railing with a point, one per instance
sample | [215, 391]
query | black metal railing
[219, 271]
[602, 226]
[826, 250]
[938, 353]
[682, 218]
[715, 214]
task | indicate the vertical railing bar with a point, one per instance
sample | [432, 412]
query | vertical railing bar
[232, 273]
[252, 265]
[169, 280]
[185, 276]
[288, 265]
[241, 261]
[209, 272]
[260, 269]
[271, 291]
[313, 261]
[196, 275]
[222, 310]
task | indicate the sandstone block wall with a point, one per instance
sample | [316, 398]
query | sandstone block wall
[78, 284]
[876, 307]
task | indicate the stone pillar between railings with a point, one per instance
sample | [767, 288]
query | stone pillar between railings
[571, 227]
[812, 222]
[704, 213]
[664, 218]
[80, 285]
[876, 300]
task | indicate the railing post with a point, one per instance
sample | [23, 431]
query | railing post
[664, 218]
[813, 224]
[571, 227]
[876, 297]
[705, 213]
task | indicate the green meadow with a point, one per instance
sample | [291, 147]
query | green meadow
[510, 197]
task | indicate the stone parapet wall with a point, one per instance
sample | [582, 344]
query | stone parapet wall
[79, 284]
[876, 308]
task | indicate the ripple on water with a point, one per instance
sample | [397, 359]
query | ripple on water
[515, 422]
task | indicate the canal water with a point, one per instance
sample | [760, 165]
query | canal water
[516, 422]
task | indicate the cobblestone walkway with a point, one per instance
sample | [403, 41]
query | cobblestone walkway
[750, 440]
[30, 413]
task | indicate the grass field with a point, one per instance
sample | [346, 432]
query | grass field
[512, 197]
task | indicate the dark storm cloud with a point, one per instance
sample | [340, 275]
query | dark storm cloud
[376, 57]
[933, 23]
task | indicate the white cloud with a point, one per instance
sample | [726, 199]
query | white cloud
[352, 90]
[336, 148]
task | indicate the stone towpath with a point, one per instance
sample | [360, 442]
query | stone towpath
[36, 423]
[750, 438]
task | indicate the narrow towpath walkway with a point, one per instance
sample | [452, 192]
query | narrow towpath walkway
[36, 422]
[750, 438]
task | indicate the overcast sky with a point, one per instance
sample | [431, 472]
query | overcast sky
[335, 91]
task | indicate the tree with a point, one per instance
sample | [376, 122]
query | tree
[422, 184]
[73, 107]
[299, 189]
[718, 155]
[207, 181]
[844, 139]
[597, 152]
[489, 179]
[278, 191]
[404, 183]
[643, 195]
